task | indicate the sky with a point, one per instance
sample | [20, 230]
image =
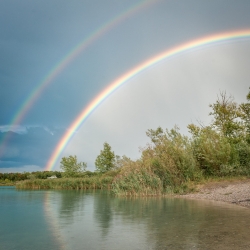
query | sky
[57, 56]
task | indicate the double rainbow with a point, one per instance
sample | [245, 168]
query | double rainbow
[66, 60]
[194, 44]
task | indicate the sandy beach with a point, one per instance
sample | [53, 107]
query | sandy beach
[234, 192]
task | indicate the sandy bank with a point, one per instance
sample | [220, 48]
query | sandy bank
[235, 192]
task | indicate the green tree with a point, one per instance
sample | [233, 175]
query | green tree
[121, 161]
[226, 117]
[245, 116]
[170, 156]
[211, 149]
[105, 161]
[71, 167]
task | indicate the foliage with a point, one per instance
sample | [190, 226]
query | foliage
[95, 182]
[171, 157]
[12, 178]
[71, 167]
[245, 116]
[105, 161]
[135, 179]
[171, 163]
[46, 174]
[166, 165]
[121, 161]
[226, 117]
[211, 149]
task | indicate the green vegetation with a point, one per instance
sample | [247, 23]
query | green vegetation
[167, 165]
[11, 178]
[105, 161]
[71, 167]
[67, 183]
[89, 181]
[172, 162]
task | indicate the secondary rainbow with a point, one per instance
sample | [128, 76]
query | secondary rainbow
[194, 44]
[66, 60]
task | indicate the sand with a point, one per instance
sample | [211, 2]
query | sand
[236, 192]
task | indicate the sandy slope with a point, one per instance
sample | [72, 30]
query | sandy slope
[236, 192]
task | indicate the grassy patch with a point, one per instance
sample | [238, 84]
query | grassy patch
[102, 182]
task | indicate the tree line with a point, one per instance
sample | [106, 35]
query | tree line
[172, 160]
[222, 147]
[13, 177]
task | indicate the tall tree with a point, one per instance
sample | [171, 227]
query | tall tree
[71, 167]
[226, 117]
[105, 161]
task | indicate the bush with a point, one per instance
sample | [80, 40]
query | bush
[211, 149]
[171, 157]
[135, 179]
[243, 150]
[166, 165]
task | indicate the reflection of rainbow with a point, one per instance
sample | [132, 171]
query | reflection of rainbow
[52, 220]
[34, 95]
[208, 40]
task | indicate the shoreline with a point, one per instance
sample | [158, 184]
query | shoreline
[234, 192]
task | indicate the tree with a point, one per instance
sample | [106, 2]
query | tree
[226, 114]
[170, 156]
[71, 167]
[121, 161]
[245, 116]
[211, 149]
[105, 161]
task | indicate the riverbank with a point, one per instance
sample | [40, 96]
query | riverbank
[230, 191]
[7, 184]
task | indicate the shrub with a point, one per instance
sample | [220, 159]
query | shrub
[135, 179]
[211, 149]
[166, 165]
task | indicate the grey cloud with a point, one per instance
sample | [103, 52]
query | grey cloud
[37, 35]
[176, 92]
[31, 148]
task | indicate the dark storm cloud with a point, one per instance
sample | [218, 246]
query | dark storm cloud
[36, 35]
[30, 148]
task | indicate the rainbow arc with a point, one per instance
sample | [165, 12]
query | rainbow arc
[65, 62]
[113, 86]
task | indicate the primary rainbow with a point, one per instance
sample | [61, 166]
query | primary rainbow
[66, 60]
[194, 44]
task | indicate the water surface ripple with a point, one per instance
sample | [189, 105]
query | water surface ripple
[97, 220]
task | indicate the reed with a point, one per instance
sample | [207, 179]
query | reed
[135, 180]
[97, 182]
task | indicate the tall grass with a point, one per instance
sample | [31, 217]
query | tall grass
[103, 182]
[136, 180]
[166, 166]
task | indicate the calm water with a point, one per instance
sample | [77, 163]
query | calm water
[96, 220]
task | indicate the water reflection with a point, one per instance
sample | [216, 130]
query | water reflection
[71, 203]
[183, 224]
[103, 213]
[99, 220]
[23, 224]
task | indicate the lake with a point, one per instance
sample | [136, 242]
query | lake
[73, 220]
